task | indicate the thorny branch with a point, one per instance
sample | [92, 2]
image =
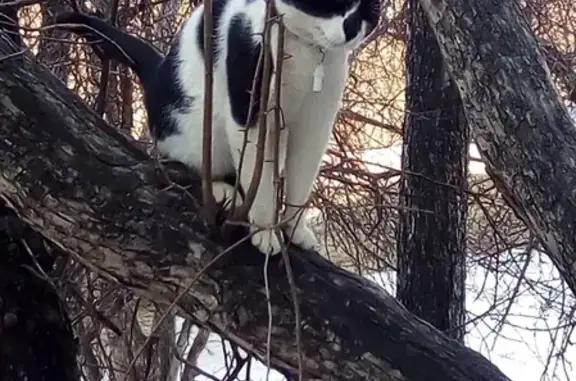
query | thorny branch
[207, 195]
[242, 211]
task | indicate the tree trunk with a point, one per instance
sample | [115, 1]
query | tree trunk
[432, 228]
[126, 100]
[93, 193]
[524, 134]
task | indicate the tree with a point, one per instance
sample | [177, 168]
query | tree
[524, 134]
[433, 209]
[100, 201]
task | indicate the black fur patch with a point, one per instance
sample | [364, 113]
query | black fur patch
[166, 96]
[370, 12]
[352, 25]
[241, 65]
[323, 8]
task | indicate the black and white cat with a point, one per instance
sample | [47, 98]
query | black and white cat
[320, 35]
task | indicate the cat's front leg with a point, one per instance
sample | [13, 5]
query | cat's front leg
[301, 170]
[300, 175]
[307, 143]
[298, 231]
[265, 235]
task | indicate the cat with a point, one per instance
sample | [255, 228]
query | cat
[319, 37]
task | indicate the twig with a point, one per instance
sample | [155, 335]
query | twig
[270, 320]
[295, 303]
[245, 141]
[13, 55]
[278, 121]
[207, 193]
[364, 119]
[278, 184]
[250, 195]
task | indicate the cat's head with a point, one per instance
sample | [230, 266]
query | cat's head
[330, 24]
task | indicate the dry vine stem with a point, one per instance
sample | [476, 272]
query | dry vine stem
[207, 193]
[279, 124]
[242, 211]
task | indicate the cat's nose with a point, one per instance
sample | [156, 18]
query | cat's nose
[352, 25]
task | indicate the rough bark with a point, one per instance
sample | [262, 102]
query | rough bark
[523, 132]
[92, 192]
[36, 340]
[432, 226]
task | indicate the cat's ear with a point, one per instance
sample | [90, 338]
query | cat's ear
[371, 10]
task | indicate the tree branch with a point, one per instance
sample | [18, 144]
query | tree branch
[523, 133]
[90, 191]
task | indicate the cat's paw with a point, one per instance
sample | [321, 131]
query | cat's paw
[223, 194]
[266, 241]
[301, 235]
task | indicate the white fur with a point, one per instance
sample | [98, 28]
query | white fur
[309, 116]
[224, 193]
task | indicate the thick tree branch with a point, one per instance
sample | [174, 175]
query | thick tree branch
[89, 190]
[523, 132]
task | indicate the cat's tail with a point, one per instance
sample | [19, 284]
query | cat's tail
[114, 44]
